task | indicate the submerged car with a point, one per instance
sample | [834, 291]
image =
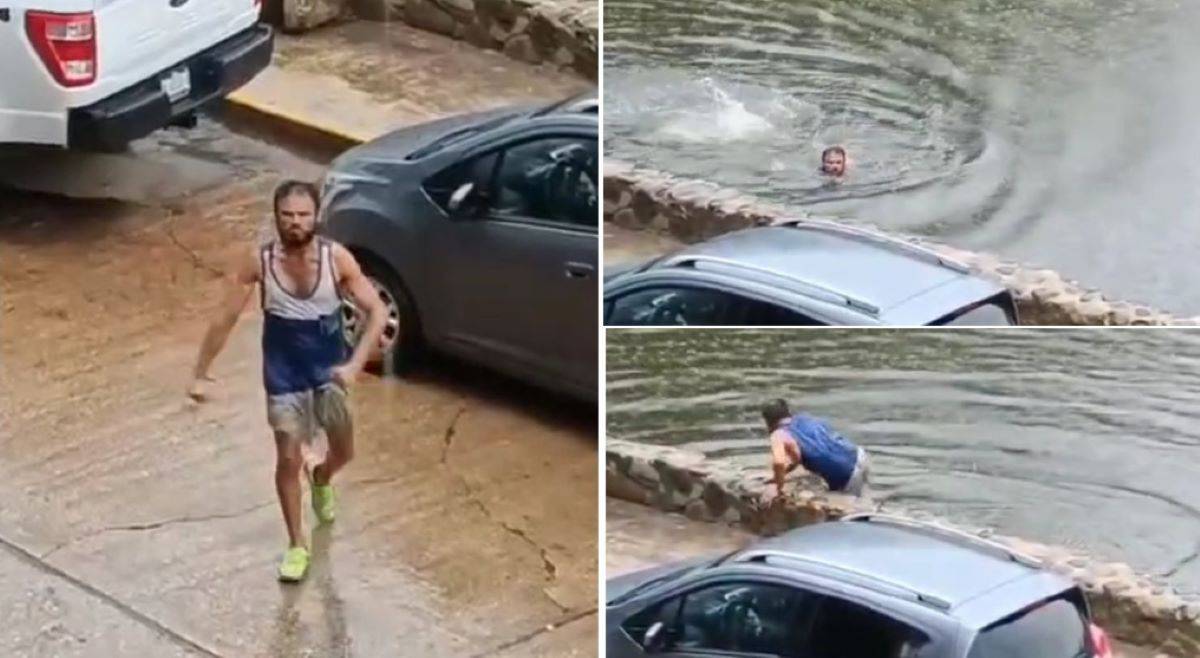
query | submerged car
[481, 234]
[868, 586]
[803, 273]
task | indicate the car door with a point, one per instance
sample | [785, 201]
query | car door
[738, 618]
[522, 259]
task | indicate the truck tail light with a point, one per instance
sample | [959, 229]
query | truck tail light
[66, 43]
[1100, 642]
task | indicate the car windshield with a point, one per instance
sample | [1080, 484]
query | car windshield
[1050, 629]
[667, 577]
[994, 312]
[458, 135]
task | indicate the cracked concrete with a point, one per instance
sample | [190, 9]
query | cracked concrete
[154, 525]
[150, 510]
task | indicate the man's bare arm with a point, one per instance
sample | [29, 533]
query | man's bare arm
[785, 457]
[238, 288]
[366, 299]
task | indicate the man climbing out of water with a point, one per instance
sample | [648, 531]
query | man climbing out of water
[800, 440]
[834, 162]
[307, 376]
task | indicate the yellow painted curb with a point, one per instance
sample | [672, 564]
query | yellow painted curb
[267, 110]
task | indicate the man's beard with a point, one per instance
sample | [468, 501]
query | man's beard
[290, 242]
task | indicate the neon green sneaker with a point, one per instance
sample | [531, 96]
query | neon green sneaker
[323, 503]
[294, 565]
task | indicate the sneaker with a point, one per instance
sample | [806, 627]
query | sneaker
[323, 503]
[294, 565]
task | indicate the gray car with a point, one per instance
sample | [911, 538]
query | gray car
[868, 586]
[803, 273]
[481, 233]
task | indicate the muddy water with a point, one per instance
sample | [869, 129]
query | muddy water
[453, 537]
[1055, 132]
[1081, 438]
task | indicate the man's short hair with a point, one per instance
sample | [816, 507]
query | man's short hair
[297, 188]
[833, 149]
[774, 412]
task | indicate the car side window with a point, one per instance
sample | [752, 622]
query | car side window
[841, 628]
[667, 306]
[478, 170]
[551, 180]
[741, 617]
[665, 612]
[683, 306]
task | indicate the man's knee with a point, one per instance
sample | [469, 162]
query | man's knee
[288, 458]
[341, 446]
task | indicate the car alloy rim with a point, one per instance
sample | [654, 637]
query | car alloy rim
[354, 323]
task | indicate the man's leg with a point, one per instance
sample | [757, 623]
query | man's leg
[290, 419]
[288, 462]
[333, 413]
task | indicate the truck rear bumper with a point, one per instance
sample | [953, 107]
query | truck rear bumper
[111, 123]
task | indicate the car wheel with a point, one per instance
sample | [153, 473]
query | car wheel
[401, 341]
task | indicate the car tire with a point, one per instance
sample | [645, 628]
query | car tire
[403, 331]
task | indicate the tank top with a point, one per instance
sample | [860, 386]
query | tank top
[302, 335]
[823, 451]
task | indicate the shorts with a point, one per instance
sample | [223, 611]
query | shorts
[859, 478]
[299, 415]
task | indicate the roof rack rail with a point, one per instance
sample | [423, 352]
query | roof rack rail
[826, 293]
[908, 522]
[898, 244]
[762, 555]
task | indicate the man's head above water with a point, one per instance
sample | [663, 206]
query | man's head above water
[296, 204]
[833, 161]
[775, 412]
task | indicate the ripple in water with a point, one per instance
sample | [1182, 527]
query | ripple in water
[1056, 133]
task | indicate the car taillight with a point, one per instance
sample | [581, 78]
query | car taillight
[1100, 643]
[67, 45]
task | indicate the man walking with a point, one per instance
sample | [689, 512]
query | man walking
[799, 440]
[306, 374]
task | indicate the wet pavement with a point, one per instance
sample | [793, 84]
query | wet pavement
[137, 523]
[637, 537]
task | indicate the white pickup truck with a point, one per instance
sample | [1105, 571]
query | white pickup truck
[97, 74]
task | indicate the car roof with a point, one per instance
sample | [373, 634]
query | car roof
[879, 272]
[944, 568]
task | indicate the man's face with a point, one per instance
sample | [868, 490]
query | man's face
[834, 163]
[296, 220]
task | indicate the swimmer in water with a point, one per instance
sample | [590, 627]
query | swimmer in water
[834, 162]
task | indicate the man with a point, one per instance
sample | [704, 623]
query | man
[799, 440]
[302, 278]
[834, 161]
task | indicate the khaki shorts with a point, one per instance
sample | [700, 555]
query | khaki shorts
[299, 415]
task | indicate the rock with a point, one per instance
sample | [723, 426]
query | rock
[303, 15]
[429, 16]
[521, 48]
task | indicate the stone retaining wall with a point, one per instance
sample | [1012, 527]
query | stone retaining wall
[1133, 608]
[562, 33]
[691, 211]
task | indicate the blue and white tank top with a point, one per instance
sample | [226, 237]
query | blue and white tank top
[302, 335]
[823, 451]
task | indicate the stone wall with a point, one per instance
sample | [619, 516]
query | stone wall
[691, 211]
[562, 33]
[1133, 608]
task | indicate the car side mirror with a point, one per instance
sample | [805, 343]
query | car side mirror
[655, 639]
[460, 201]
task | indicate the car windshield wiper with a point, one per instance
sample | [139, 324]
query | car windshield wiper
[638, 589]
[456, 135]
